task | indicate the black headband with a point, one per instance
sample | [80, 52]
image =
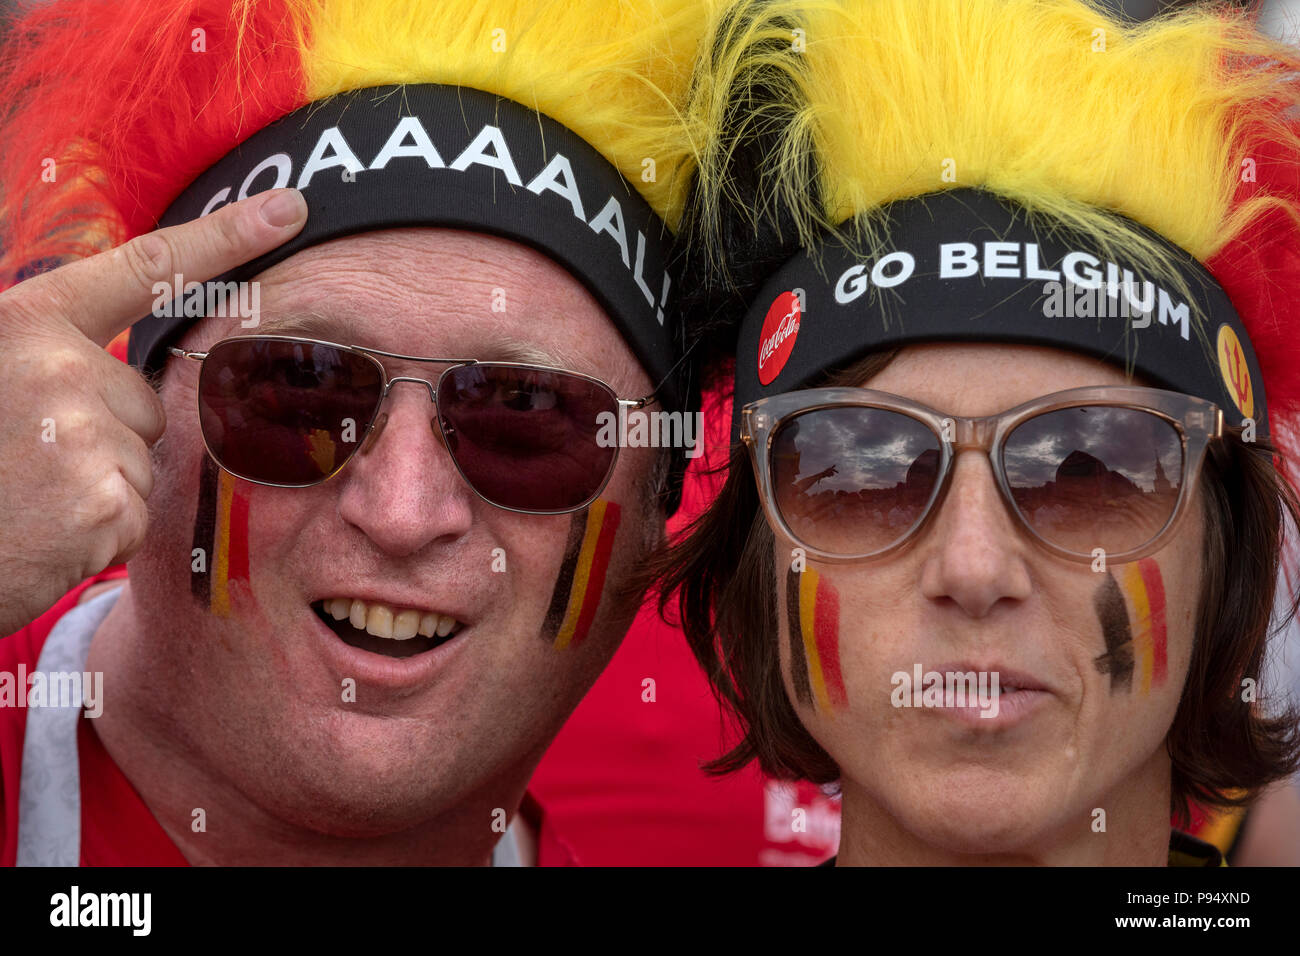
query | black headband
[431, 155]
[966, 266]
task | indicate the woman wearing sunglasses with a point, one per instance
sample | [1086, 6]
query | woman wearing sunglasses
[998, 544]
[387, 544]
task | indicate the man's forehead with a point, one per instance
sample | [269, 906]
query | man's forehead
[496, 345]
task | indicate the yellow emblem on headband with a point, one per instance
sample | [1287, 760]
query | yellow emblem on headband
[1235, 372]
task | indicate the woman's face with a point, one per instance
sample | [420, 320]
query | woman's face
[1089, 662]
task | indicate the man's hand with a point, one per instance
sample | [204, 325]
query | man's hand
[75, 423]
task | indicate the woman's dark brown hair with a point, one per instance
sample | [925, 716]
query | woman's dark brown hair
[1223, 745]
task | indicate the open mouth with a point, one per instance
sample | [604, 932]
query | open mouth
[383, 629]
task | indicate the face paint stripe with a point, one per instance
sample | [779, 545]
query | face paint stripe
[1137, 593]
[794, 635]
[1155, 589]
[220, 559]
[205, 530]
[807, 602]
[595, 586]
[826, 627]
[582, 574]
[1113, 615]
[237, 561]
[580, 571]
[564, 583]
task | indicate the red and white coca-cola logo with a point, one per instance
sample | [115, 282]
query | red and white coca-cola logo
[776, 341]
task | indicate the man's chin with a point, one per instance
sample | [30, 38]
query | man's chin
[360, 775]
[363, 797]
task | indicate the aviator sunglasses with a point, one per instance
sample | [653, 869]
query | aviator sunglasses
[292, 412]
[853, 473]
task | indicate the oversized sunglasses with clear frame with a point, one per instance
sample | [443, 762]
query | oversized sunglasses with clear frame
[884, 464]
[272, 410]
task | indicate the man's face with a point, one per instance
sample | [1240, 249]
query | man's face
[305, 724]
[975, 593]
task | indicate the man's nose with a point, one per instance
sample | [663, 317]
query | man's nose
[974, 554]
[402, 488]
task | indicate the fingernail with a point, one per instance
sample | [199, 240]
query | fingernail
[284, 208]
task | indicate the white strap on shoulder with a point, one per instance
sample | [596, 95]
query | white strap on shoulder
[49, 791]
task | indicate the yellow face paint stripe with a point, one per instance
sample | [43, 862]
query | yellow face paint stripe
[807, 620]
[581, 574]
[221, 543]
[1143, 647]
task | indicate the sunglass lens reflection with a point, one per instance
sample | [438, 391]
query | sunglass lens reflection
[853, 480]
[1095, 476]
[288, 413]
[527, 438]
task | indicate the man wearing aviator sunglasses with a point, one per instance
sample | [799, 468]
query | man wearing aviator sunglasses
[291, 412]
[1003, 571]
[388, 555]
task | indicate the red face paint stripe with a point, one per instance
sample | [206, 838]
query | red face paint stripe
[237, 562]
[220, 605]
[596, 577]
[1156, 597]
[826, 631]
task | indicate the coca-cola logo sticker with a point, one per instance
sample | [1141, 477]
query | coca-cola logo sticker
[776, 342]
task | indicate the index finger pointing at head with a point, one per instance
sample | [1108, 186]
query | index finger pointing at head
[105, 294]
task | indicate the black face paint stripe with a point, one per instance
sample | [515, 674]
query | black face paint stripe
[564, 583]
[1113, 615]
[205, 519]
[794, 634]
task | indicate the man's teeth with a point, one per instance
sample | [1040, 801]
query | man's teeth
[382, 620]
